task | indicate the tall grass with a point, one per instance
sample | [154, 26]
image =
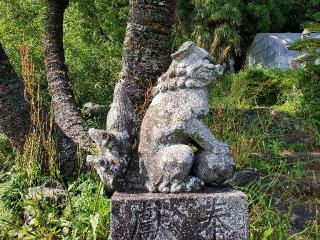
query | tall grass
[39, 151]
[82, 213]
[253, 111]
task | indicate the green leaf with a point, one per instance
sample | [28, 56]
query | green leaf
[94, 220]
[305, 43]
[267, 233]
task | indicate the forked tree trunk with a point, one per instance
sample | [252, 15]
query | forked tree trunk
[14, 109]
[146, 56]
[66, 111]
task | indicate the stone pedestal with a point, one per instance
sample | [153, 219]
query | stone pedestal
[212, 215]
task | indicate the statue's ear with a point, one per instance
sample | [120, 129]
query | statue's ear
[185, 49]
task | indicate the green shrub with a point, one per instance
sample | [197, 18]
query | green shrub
[310, 87]
[82, 214]
[256, 87]
[296, 92]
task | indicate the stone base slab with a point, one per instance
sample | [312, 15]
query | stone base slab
[214, 214]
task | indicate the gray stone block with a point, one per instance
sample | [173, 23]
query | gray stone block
[213, 214]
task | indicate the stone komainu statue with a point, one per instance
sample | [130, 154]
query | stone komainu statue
[177, 150]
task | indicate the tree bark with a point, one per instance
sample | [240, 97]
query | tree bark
[14, 109]
[66, 111]
[147, 48]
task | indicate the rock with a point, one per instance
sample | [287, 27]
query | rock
[214, 168]
[304, 214]
[174, 122]
[245, 177]
[279, 185]
[50, 191]
[311, 160]
[213, 215]
[309, 185]
[280, 188]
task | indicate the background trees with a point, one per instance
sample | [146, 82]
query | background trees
[227, 28]
[217, 27]
[94, 59]
[95, 30]
[65, 108]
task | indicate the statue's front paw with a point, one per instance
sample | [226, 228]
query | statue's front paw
[177, 186]
[172, 187]
[191, 184]
[194, 184]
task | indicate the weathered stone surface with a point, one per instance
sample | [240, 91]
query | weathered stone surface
[214, 167]
[304, 214]
[174, 122]
[245, 177]
[146, 55]
[50, 191]
[114, 143]
[91, 109]
[214, 214]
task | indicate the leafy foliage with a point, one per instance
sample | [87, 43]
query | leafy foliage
[94, 33]
[249, 96]
[93, 37]
[310, 87]
[309, 45]
[302, 44]
[82, 214]
[227, 28]
[257, 87]
[216, 27]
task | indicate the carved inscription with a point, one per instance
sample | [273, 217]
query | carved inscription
[222, 217]
[147, 222]
[214, 216]
[215, 224]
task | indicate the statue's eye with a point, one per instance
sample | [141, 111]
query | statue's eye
[209, 58]
[102, 163]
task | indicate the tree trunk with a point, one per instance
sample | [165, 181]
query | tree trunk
[147, 48]
[14, 109]
[146, 56]
[67, 114]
